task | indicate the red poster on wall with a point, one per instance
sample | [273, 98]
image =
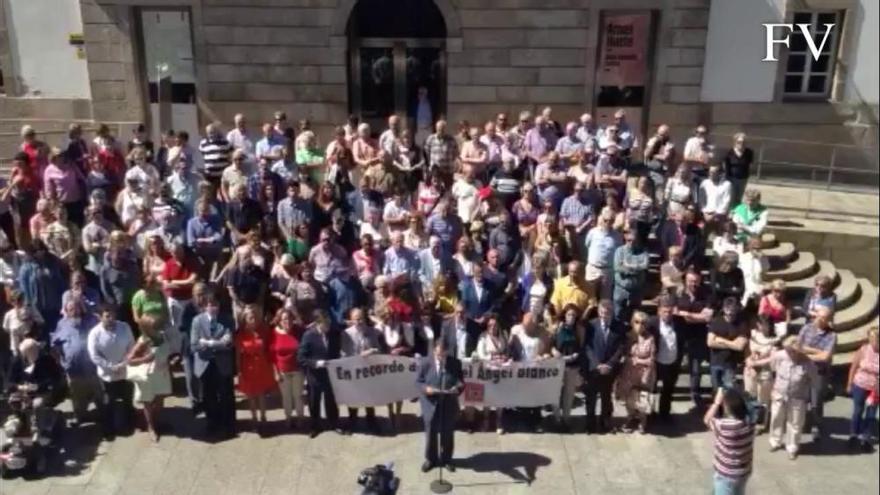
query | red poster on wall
[623, 59]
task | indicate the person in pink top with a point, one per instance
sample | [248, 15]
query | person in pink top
[65, 183]
[863, 386]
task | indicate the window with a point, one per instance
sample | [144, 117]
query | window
[805, 75]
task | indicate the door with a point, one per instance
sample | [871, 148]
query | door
[623, 74]
[166, 41]
[387, 74]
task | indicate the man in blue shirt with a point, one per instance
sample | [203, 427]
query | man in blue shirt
[293, 211]
[445, 225]
[70, 342]
[401, 263]
[204, 235]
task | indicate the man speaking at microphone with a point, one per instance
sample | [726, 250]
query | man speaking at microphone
[440, 381]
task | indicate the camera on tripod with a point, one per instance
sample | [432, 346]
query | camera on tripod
[379, 480]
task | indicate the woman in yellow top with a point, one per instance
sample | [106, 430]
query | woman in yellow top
[445, 296]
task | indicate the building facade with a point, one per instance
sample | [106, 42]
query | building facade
[680, 62]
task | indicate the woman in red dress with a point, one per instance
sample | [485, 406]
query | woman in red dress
[255, 375]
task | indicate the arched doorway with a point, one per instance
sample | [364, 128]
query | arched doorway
[396, 49]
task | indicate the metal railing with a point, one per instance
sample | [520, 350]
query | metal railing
[826, 166]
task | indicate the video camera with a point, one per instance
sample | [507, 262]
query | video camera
[379, 480]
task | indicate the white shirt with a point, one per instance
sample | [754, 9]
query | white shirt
[17, 322]
[242, 141]
[698, 150]
[715, 198]
[393, 211]
[109, 348]
[667, 349]
[478, 290]
[461, 341]
[465, 194]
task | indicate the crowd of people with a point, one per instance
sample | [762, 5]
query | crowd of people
[252, 259]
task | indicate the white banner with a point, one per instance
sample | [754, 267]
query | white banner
[374, 380]
[512, 385]
[379, 379]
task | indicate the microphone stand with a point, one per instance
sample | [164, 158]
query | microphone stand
[441, 485]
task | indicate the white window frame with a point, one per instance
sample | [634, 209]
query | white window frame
[831, 48]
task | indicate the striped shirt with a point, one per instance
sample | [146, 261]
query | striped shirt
[734, 441]
[215, 153]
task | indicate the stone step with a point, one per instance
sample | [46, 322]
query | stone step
[800, 286]
[850, 341]
[782, 253]
[768, 240]
[860, 312]
[848, 289]
[802, 267]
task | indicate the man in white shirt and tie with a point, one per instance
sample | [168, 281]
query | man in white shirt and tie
[668, 358]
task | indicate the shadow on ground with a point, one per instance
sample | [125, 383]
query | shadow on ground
[520, 467]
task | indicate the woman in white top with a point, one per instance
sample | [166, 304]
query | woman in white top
[465, 191]
[680, 190]
[727, 241]
[492, 347]
[464, 258]
[400, 341]
[759, 379]
[530, 344]
[130, 200]
[753, 264]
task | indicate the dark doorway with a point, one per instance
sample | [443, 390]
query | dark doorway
[396, 47]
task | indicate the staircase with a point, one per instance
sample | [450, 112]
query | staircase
[857, 298]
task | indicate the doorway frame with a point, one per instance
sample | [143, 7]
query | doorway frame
[140, 57]
[399, 47]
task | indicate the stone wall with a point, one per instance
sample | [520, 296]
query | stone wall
[258, 56]
[266, 55]
[520, 54]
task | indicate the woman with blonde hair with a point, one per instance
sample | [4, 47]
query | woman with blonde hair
[737, 164]
[638, 374]
[492, 348]
[148, 369]
[775, 308]
[284, 343]
[255, 375]
[863, 385]
[759, 379]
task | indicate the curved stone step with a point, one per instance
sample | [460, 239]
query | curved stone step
[860, 312]
[850, 341]
[784, 252]
[804, 284]
[848, 289]
[768, 240]
[804, 266]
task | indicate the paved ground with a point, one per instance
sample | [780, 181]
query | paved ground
[674, 461]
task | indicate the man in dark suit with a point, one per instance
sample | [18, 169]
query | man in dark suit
[668, 334]
[477, 295]
[319, 344]
[603, 348]
[214, 366]
[440, 380]
[460, 333]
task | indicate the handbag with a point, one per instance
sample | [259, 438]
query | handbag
[139, 373]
